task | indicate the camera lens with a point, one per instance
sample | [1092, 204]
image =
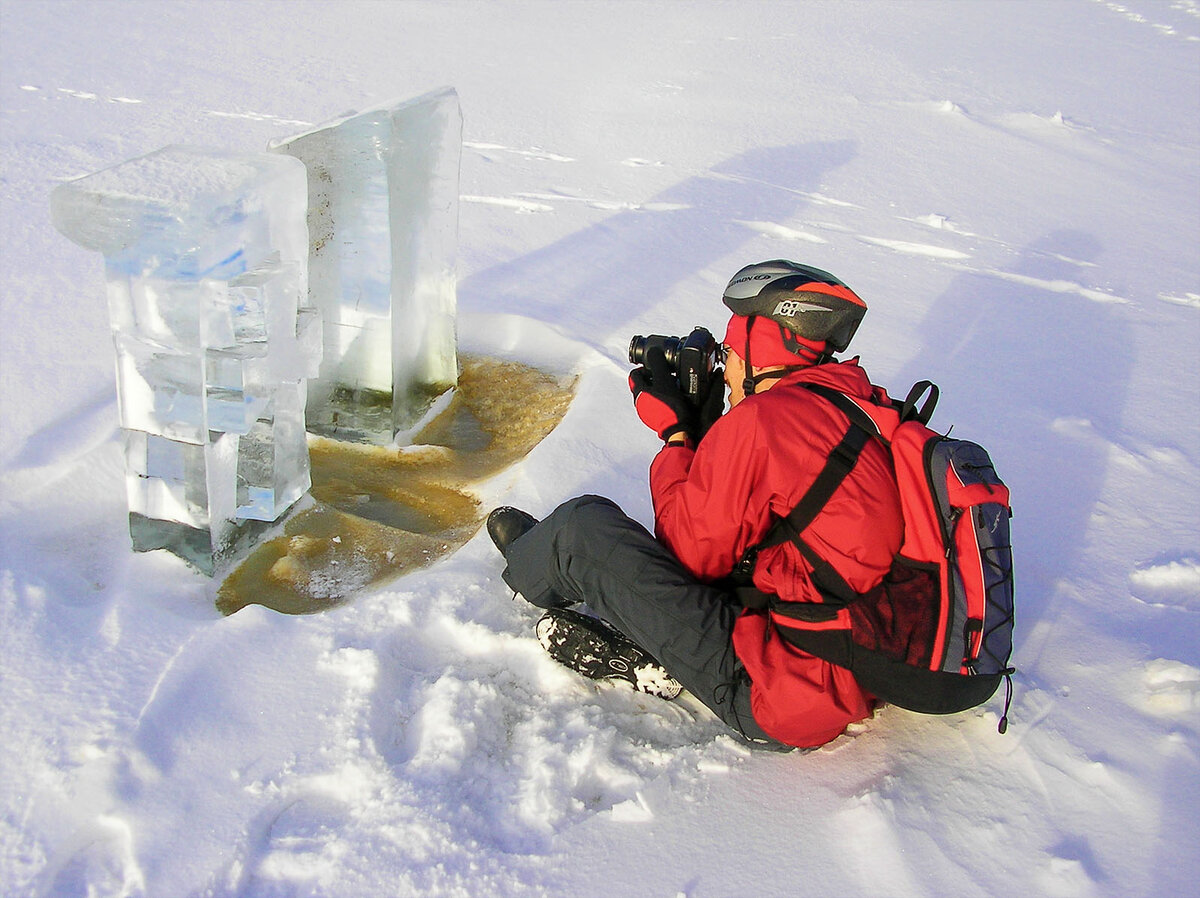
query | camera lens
[671, 347]
[637, 350]
[639, 346]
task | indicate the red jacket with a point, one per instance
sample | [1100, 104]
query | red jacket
[714, 502]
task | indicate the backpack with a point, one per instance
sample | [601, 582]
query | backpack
[935, 636]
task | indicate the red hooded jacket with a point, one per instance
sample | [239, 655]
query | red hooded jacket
[754, 465]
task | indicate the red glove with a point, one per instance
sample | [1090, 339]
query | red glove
[659, 400]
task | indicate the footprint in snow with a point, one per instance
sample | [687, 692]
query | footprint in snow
[297, 840]
[1171, 584]
[1172, 688]
[97, 859]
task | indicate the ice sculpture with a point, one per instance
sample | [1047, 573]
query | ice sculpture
[205, 261]
[383, 225]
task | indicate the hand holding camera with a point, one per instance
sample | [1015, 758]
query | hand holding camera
[679, 386]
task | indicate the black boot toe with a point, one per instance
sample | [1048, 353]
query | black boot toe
[505, 525]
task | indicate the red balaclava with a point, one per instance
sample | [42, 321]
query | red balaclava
[763, 343]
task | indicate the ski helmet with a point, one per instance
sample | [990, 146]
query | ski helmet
[805, 301]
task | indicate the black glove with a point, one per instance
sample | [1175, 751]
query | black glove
[713, 405]
[659, 400]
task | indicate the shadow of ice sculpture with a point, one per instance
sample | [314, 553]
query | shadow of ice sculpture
[383, 226]
[205, 262]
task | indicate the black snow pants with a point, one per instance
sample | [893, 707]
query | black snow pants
[589, 551]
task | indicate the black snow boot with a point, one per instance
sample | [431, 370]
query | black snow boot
[596, 650]
[505, 525]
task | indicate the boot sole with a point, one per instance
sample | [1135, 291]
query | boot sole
[592, 648]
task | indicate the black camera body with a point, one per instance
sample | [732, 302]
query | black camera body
[692, 358]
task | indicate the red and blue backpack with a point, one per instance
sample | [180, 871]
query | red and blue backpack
[935, 636]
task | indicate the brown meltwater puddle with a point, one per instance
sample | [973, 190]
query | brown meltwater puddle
[381, 512]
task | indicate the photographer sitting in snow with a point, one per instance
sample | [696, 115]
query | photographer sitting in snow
[718, 485]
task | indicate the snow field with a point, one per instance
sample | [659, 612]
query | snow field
[1011, 186]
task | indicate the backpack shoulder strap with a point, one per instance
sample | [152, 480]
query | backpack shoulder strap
[847, 406]
[917, 406]
[837, 468]
[838, 465]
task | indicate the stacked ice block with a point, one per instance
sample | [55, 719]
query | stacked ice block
[221, 303]
[383, 225]
[206, 267]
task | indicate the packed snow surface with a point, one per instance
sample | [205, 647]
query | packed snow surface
[1014, 188]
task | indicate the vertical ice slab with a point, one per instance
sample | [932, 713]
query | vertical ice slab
[383, 225]
[205, 262]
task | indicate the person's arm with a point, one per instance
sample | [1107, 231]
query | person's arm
[710, 502]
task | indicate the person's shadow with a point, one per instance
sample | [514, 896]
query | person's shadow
[593, 282]
[1037, 374]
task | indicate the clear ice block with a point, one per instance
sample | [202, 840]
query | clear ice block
[206, 267]
[272, 461]
[383, 225]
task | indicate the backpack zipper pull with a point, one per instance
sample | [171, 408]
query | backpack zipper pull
[1002, 727]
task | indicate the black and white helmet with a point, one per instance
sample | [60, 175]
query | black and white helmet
[809, 302]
